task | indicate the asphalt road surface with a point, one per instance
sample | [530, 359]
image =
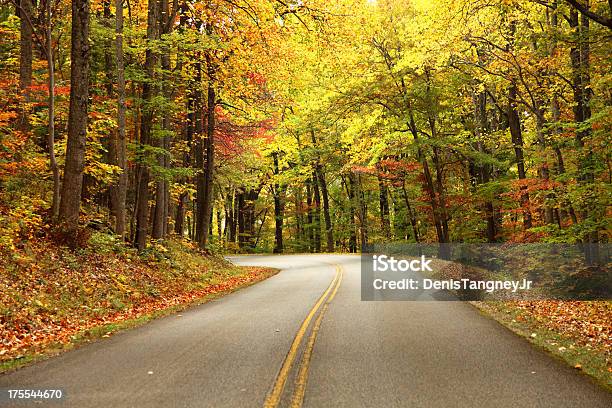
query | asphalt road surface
[304, 338]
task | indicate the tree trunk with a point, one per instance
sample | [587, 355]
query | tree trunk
[482, 172]
[411, 215]
[205, 183]
[279, 208]
[219, 226]
[108, 48]
[309, 216]
[350, 193]
[51, 120]
[160, 218]
[70, 203]
[241, 220]
[24, 11]
[232, 216]
[246, 218]
[118, 191]
[514, 123]
[146, 124]
[579, 56]
[361, 207]
[429, 186]
[189, 130]
[383, 201]
[329, 228]
[320, 177]
[300, 234]
[317, 213]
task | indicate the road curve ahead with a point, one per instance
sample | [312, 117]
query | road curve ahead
[303, 338]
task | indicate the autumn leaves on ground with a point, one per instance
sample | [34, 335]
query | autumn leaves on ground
[54, 298]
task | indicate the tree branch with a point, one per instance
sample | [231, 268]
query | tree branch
[593, 16]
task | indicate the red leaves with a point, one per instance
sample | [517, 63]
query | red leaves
[43, 88]
[400, 166]
[257, 78]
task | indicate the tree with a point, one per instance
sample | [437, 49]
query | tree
[70, 203]
[118, 141]
[585, 9]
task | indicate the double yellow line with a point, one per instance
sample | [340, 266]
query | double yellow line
[274, 397]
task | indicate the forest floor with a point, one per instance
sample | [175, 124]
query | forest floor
[53, 298]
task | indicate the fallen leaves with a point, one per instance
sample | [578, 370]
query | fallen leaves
[586, 323]
[58, 295]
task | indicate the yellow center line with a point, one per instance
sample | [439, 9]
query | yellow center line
[302, 377]
[273, 399]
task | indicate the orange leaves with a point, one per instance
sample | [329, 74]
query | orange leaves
[587, 323]
[6, 117]
[395, 166]
[44, 89]
[531, 185]
[256, 78]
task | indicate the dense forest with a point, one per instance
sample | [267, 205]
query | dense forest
[305, 126]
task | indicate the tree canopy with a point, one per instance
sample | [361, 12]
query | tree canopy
[306, 126]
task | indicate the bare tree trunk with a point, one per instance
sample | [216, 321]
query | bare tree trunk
[51, 124]
[279, 208]
[247, 217]
[108, 46]
[233, 223]
[189, 130]
[209, 163]
[240, 212]
[431, 190]
[482, 172]
[219, 226]
[117, 151]
[205, 178]
[579, 56]
[411, 215]
[70, 203]
[350, 193]
[300, 234]
[363, 213]
[514, 123]
[317, 212]
[360, 208]
[146, 124]
[383, 201]
[320, 177]
[160, 218]
[329, 228]
[309, 216]
[24, 11]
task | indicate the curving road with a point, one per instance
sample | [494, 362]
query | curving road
[281, 343]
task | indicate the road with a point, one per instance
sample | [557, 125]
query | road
[280, 343]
